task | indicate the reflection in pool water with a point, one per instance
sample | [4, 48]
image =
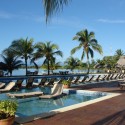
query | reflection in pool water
[34, 105]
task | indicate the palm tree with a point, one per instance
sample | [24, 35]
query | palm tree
[10, 61]
[72, 63]
[119, 53]
[53, 65]
[53, 6]
[48, 51]
[88, 43]
[23, 48]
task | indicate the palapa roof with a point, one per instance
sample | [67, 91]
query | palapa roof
[121, 61]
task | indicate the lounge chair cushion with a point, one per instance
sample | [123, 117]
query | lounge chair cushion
[23, 95]
[56, 91]
[8, 87]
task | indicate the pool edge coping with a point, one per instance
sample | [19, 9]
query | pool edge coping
[22, 120]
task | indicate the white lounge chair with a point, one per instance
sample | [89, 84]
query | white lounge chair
[55, 91]
[24, 95]
[8, 87]
[2, 85]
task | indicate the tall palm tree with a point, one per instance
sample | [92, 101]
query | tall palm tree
[53, 6]
[23, 48]
[119, 53]
[47, 50]
[88, 43]
[72, 63]
[53, 65]
[10, 61]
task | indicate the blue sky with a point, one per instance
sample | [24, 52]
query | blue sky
[25, 18]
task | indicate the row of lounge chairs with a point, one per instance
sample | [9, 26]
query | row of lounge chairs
[56, 91]
[97, 78]
[44, 81]
[57, 87]
[29, 84]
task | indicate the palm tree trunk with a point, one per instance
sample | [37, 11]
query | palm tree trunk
[10, 73]
[48, 67]
[26, 65]
[88, 66]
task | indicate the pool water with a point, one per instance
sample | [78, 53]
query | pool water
[34, 105]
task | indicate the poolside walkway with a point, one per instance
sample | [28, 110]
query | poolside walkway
[107, 112]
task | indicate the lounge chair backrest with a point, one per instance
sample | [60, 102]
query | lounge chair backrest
[2, 85]
[29, 82]
[77, 78]
[104, 77]
[43, 80]
[83, 79]
[70, 79]
[19, 82]
[10, 86]
[57, 89]
[51, 81]
[61, 79]
[97, 79]
[108, 77]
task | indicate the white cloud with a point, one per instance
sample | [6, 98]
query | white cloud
[111, 21]
[5, 15]
[22, 16]
[74, 23]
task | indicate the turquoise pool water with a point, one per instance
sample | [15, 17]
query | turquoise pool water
[34, 106]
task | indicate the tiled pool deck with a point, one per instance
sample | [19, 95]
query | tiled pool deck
[107, 112]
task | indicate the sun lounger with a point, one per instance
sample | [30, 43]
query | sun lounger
[103, 78]
[59, 81]
[42, 82]
[70, 79]
[8, 87]
[55, 92]
[83, 79]
[18, 84]
[29, 82]
[25, 95]
[75, 80]
[96, 79]
[89, 79]
[116, 76]
[51, 81]
[2, 85]
[111, 77]
[122, 84]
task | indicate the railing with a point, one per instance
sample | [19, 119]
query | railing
[10, 78]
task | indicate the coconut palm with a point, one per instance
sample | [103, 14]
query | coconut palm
[88, 43]
[23, 48]
[72, 63]
[10, 61]
[48, 51]
[53, 6]
[53, 65]
[119, 53]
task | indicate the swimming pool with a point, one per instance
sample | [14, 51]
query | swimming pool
[35, 107]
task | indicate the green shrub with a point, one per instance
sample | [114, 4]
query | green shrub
[7, 108]
[66, 82]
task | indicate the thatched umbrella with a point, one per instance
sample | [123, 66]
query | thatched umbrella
[121, 62]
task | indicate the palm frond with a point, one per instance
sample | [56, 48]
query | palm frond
[53, 6]
[75, 49]
[91, 52]
[83, 54]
